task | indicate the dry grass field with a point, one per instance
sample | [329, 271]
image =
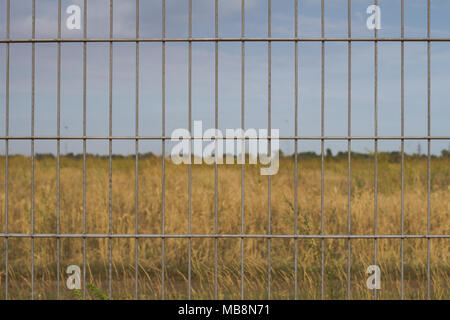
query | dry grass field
[229, 222]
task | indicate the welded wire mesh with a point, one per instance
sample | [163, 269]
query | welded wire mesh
[163, 137]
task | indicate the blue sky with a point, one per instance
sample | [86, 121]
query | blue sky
[309, 120]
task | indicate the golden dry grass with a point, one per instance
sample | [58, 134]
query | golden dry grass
[229, 222]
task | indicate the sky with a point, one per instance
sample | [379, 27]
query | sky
[229, 73]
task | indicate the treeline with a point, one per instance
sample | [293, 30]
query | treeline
[390, 156]
[77, 156]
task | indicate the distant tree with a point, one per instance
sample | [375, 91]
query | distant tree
[329, 153]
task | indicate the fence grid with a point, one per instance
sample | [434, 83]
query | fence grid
[323, 39]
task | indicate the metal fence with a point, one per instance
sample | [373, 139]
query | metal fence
[163, 137]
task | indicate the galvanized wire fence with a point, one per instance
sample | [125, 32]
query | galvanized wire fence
[6, 235]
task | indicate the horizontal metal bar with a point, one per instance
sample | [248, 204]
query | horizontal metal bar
[234, 138]
[212, 236]
[263, 39]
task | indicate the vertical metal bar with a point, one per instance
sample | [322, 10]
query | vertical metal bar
[216, 125]
[403, 141]
[163, 146]
[269, 102]
[111, 26]
[296, 151]
[428, 150]
[322, 148]
[58, 151]
[136, 204]
[8, 14]
[33, 75]
[243, 144]
[349, 145]
[375, 225]
[84, 143]
[190, 144]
